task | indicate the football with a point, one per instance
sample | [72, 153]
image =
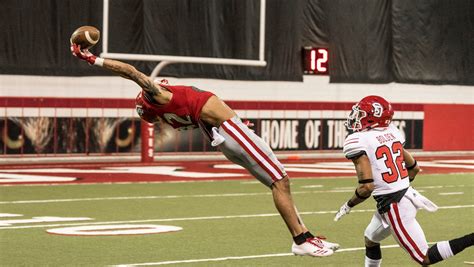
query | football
[85, 36]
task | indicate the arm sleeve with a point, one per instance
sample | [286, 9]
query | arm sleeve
[353, 147]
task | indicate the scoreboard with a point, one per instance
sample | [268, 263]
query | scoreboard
[315, 60]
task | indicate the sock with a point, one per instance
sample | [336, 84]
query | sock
[373, 256]
[446, 249]
[299, 239]
[372, 263]
[433, 254]
[459, 244]
[374, 252]
[308, 235]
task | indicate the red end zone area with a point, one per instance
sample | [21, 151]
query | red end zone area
[163, 171]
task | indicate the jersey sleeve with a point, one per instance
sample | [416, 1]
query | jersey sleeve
[353, 147]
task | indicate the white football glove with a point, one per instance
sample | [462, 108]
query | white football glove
[345, 209]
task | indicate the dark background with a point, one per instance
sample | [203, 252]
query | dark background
[423, 41]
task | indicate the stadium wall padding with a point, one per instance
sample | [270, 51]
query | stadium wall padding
[448, 127]
[425, 41]
[94, 125]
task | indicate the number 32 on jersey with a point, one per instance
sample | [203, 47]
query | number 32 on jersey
[393, 159]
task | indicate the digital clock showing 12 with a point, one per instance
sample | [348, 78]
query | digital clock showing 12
[315, 60]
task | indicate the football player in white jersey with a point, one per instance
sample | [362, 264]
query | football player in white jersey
[385, 169]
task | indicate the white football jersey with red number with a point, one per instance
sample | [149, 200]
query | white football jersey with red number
[384, 148]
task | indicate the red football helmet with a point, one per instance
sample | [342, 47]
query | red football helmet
[372, 111]
[144, 110]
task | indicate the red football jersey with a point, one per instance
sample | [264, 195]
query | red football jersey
[182, 112]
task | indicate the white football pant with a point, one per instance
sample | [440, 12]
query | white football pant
[400, 221]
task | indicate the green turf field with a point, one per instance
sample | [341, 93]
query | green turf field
[219, 219]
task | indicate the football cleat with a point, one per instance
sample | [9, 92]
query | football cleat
[330, 245]
[312, 247]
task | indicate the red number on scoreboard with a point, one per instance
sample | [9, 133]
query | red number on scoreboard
[315, 60]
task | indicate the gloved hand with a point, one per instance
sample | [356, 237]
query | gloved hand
[345, 209]
[86, 55]
[217, 139]
[249, 125]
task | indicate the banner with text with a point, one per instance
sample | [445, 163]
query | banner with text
[46, 135]
[326, 134]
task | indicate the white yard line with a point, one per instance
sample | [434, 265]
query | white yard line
[163, 197]
[238, 257]
[130, 198]
[175, 219]
[205, 218]
[250, 179]
[334, 190]
[441, 165]
[9, 215]
[207, 260]
[457, 161]
[313, 186]
[451, 193]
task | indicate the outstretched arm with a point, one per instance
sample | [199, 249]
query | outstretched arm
[130, 72]
[123, 69]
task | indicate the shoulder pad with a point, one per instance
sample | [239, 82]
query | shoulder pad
[353, 146]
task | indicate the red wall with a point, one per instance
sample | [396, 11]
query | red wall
[448, 127]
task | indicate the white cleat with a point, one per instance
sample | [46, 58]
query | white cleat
[312, 247]
[330, 245]
[327, 244]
